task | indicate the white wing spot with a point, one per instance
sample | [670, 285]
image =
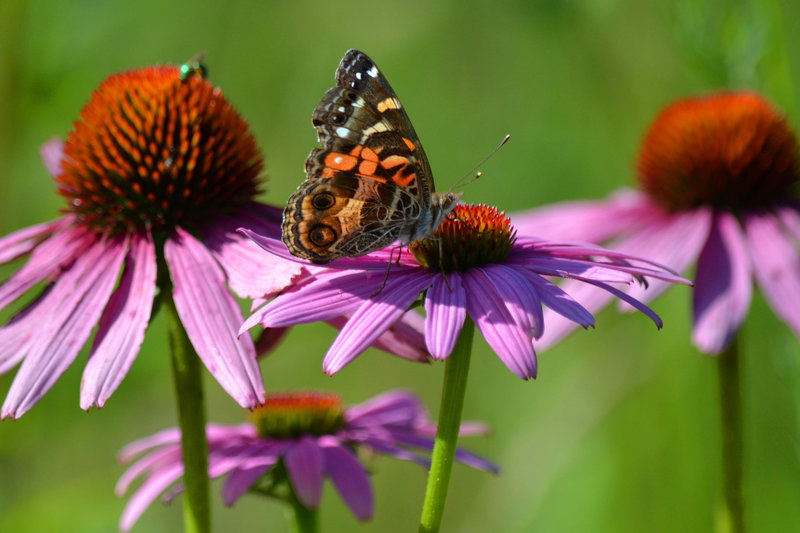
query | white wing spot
[341, 109]
[373, 71]
[342, 132]
[358, 75]
[337, 159]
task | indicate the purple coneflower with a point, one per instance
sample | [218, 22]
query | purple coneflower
[475, 265]
[718, 177]
[299, 438]
[158, 173]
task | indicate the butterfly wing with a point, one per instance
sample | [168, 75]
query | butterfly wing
[370, 182]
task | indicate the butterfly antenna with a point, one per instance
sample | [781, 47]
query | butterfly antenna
[461, 182]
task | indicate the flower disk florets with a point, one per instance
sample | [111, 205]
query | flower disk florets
[471, 236]
[292, 415]
[153, 150]
[730, 151]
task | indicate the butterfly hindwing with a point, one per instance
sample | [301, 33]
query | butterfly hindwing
[370, 183]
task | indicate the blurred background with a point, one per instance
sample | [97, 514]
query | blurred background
[619, 433]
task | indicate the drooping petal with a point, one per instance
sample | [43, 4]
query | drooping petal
[563, 310]
[47, 259]
[77, 300]
[508, 339]
[776, 265]
[722, 286]
[521, 299]
[338, 293]
[250, 272]
[122, 326]
[674, 240]
[405, 338]
[349, 477]
[462, 456]
[395, 408]
[373, 318]
[21, 242]
[160, 457]
[591, 221]
[445, 310]
[240, 480]
[148, 492]
[305, 464]
[212, 318]
[561, 301]
[138, 447]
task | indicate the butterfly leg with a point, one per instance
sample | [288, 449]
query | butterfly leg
[388, 269]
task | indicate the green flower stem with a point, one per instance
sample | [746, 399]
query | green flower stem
[191, 414]
[305, 519]
[730, 514]
[444, 449]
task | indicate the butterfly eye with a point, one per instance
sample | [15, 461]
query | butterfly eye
[338, 118]
[322, 235]
[323, 201]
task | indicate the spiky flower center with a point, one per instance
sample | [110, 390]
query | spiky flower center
[471, 236]
[294, 414]
[153, 149]
[730, 150]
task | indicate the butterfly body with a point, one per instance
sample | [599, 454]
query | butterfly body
[370, 184]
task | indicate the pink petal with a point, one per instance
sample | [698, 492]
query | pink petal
[21, 242]
[404, 339]
[561, 301]
[674, 240]
[508, 339]
[47, 260]
[306, 467]
[331, 296]
[349, 477]
[137, 447]
[446, 310]
[722, 286]
[373, 318]
[76, 302]
[520, 297]
[240, 480]
[250, 271]
[592, 221]
[51, 153]
[122, 326]
[395, 407]
[158, 459]
[149, 491]
[565, 314]
[212, 317]
[776, 266]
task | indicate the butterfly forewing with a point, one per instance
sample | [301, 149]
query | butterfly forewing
[370, 183]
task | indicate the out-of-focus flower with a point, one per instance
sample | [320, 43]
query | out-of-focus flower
[299, 439]
[718, 177]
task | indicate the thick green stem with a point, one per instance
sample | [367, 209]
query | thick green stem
[444, 449]
[730, 515]
[191, 415]
[305, 519]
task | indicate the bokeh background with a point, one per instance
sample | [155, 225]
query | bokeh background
[619, 433]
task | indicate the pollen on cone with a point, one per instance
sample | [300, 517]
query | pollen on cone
[153, 149]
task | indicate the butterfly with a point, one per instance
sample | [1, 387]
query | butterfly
[370, 184]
